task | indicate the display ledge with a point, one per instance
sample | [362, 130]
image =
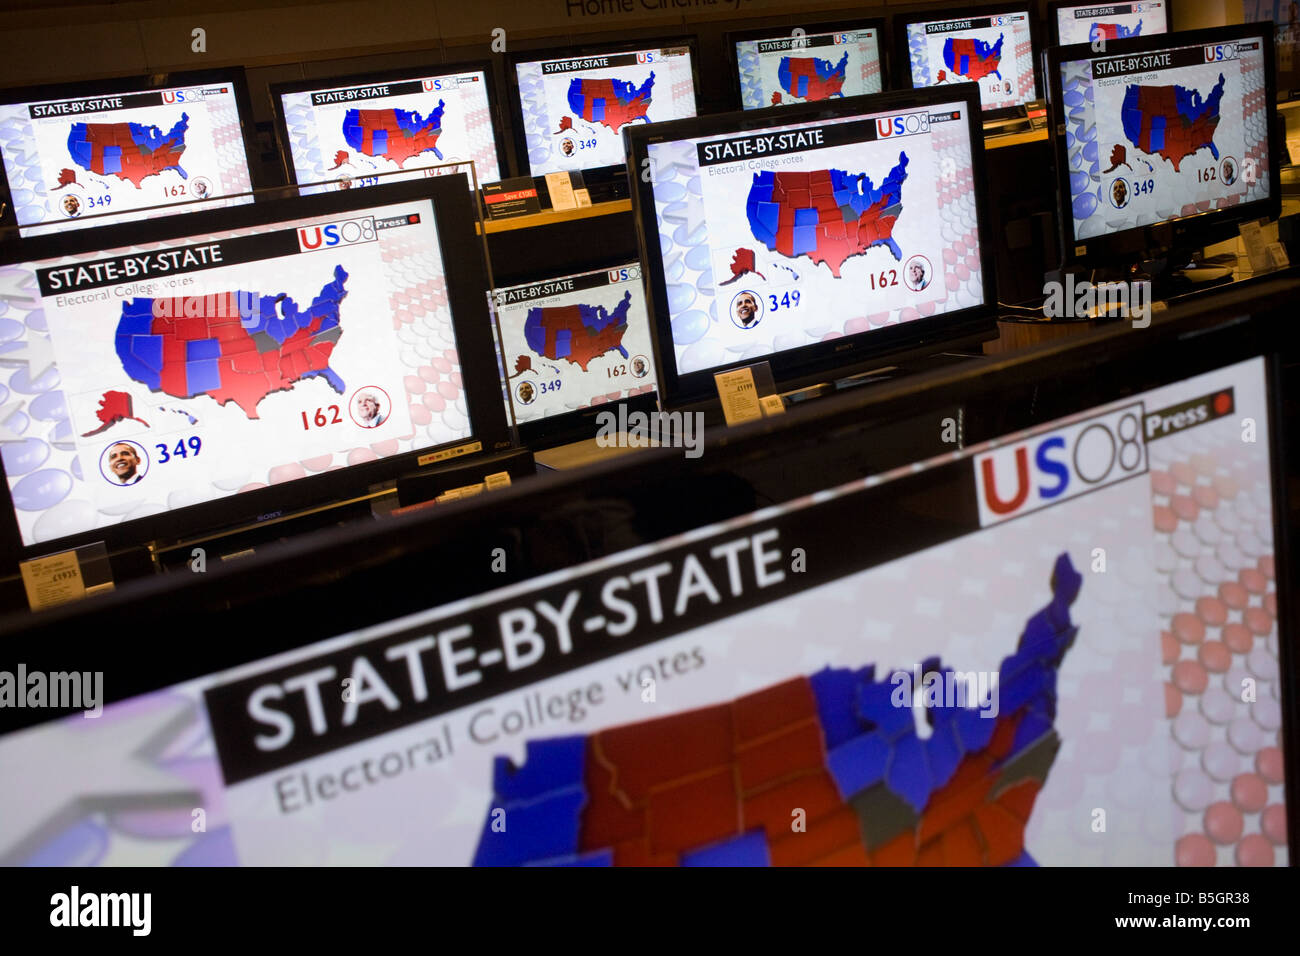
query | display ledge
[551, 217]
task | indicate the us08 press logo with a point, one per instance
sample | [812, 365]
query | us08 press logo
[330, 235]
[1060, 464]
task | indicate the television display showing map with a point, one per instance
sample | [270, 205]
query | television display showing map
[806, 67]
[788, 236]
[224, 363]
[1151, 143]
[1080, 640]
[574, 109]
[576, 341]
[397, 128]
[993, 50]
[1091, 23]
[99, 159]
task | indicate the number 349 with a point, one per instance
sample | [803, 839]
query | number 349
[182, 450]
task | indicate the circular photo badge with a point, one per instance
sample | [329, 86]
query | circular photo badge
[123, 463]
[369, 406]
[1119, 192]
[566, 146]
[200, 187]
[525, 393]
[71, 205]
[746, 309]
[1228, 170]
[917, 273]
[640, 366]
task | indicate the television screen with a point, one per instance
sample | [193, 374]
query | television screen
[356, 128]
[574, 342]
[571, 110]
[177, 372]
[1069, 662]
[801, 66]
[1093, 23]
[1165, 131]
[784, 240]
[90, 154]
[994, 50]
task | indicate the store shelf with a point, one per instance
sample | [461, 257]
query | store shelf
[551, 217]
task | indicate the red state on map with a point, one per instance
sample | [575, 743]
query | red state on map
[114, 407]
[742, 262]
[340, 157]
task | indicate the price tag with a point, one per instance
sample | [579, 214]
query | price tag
[53, 580]
[739, 395]
[560, 189]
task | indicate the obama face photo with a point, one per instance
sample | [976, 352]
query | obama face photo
[122, 463]
[745, 309]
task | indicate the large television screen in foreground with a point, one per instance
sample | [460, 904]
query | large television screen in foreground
[956, 662]
[108, 151]
[212, 369]
[815, 237]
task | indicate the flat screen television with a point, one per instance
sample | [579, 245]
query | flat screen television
[406, 122]
[1163, 143]
[98, 152]
[993, 47]
[570, 106]
[1071, 22]
[817, 237]
[233, 366]
[574, 346]
[976, 652]
[804, 64]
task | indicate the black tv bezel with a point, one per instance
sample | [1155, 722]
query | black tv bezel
[276, 90]
[810, 364]
[1052, 23]
[235, 76]
[407, 567]
[903, 57]
[580, 423]
[588, 48]
[879, 24]
[455, 214]
[1187, 232]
